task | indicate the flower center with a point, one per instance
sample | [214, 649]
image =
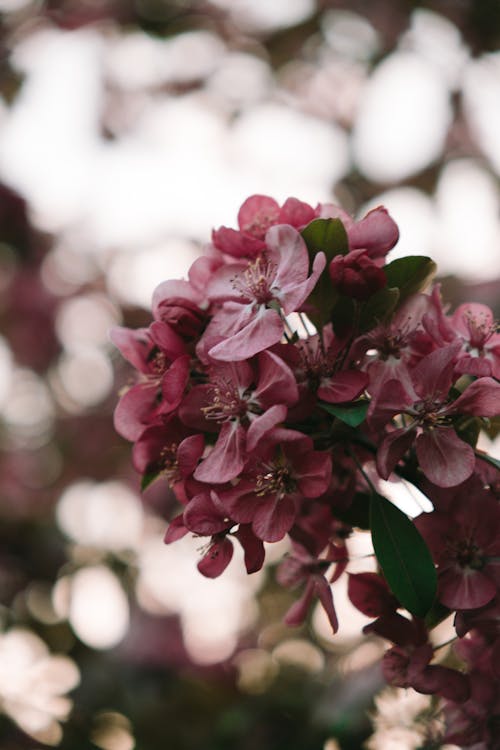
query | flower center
[169, 463]
[226, 402]
[256, 281]
[277, 480]
[480, 330]
[467, 554]
[430, 414]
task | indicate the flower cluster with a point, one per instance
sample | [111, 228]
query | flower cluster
[278, 384]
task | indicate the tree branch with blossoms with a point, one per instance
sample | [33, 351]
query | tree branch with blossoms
[291, 372]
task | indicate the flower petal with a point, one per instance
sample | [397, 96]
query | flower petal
[444, 458]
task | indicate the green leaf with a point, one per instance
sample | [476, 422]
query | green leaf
[378, 308]
[352, 414]
[330, 237]
[410, 274]
[468, 429]
[403, 556]
[148, 478]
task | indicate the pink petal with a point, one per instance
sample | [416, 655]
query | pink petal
[481, 399]
[227, 457]
[465, 588]
[188, 454]
[216, 560]
[167, 340]
[274, 517]
[291, 283]
[433, 375]
[343, 386]
[296, 213]
[377, 233]
[263, 424]
[277, 384]
[370, 594]
[314, 473]
[444, 458]
[135, 346]
[471, 312]
[220, 287]
[176, 530]
[173, 288]
[299, 609]
[392, 450]
[173, 384]
[324, 593]
[257, 214]
[264, 330]
[203, 517]
[135, 410]
[237, 244]
[252, 546]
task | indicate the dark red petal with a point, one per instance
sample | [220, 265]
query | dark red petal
[370, 594]
[343, 386]
[227, 457]
[274, 517]
[203, 517]
[253, 548]
[392, 450]
[443, 457]
[216, 560]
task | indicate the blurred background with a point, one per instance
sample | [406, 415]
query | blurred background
[128, 129]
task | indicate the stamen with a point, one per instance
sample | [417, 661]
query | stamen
[277, 481]
[226, 402]
[256, 281]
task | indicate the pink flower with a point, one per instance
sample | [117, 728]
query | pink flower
[159, 355]
[375, 234]
[244, 406]
[396, 346]
[206, 516]
[322, 368]
[284, 469]
[465, 544]
[356, 275]
[476, 328]
[257, 214]
[300, 567]
[444, 458]
[168, 449]
[254, 294]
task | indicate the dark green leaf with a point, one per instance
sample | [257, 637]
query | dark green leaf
[328, 236]
[468, 429]
[378, 308]
[403, 556]
[352, 414]
[410, 274]
[148, 478]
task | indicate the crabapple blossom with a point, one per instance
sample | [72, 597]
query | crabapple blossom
[269, 427]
